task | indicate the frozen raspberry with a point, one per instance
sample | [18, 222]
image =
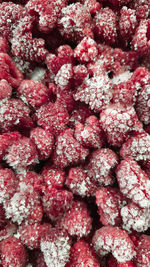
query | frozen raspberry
[4, 46]
[31, 178]
[44, 141]
[135, 218]
[117, 122]
[75, 22]
[141, 77]
[82, 254]
[80, 183]
[86, 51]
[142, 8]
[8, 184]
[141, 39]
[80, 73]
[127, 23]
[25, 205]
[14, 114]
[127, 59]
[92, 5]
[24, 45]
[22, 153]
[56, 248]
[66, 100]
[143, 251]
[112, 239]
[109, 202]
[105, 25]
[90, 134]
[52, 117]
[138, 148]
[134, 182]
[79, 115]
[55, 202]
[13, 253]
[68, 150]
[64, 77]
[6, 140]
[53, 177]
[96, 91]
[112, 262]
[30, 235]
[33, 93]
[5, 89]
[143, 104]
[9, 70]
[77, 220]
[101, 165]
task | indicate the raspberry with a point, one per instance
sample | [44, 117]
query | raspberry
[55, 202]
[22, 153]
[82, 254]
[96, 91]
[143, 251]
[141, 39]
[135, 218]
[7, 230]
[101, 165]
[33, 93]
[66, 100]
[127, 23]
[6, 140]
[31, 178]
[127, 59]
[80, 183]
[52, 117]
[53, 177]
[86, 51]
[134, 182]
[77, 220]
[117, 122]
[24, 205]
[79, 115]
[92, 5]
[90, 134]
[56, 248]
[75, 22]
[5, 89]
[44, 141]
[30, 235]
[109, 202]
[13, 253]
[80, 73]
[68, 150]
[143, 104]
[9, 71]
[112, 239]
[8, 184]
[141, 7]
[105, 25]
[64, 76]
[141, 77]
[14, 114]
[138, 148]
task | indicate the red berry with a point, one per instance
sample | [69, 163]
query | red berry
[79, 115]
[112, 262]
[80, 73]
[6, 140]
[92, 5]
[143, 251]
[64, 76]
[127, 23]
[143, 104]
[53, 177]
[8, 184]
[31, 178]
[4, 46]
[86, 51]
[5, 89]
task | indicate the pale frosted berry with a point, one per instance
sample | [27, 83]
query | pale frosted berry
[134, 182]
[64, 76]
[31, 178]
[143, 104]
[112, 239]
[5, 89]
[127, 23]
[68, 150]
[6, 140]
[105, 25]
[53, 177]
[56, 248]
[13, 253]
[86, 51]
[143, 251]
[77, 220]
[22, 153]
[44, 141]
[101, 165]
[95, 91]
[8, 184]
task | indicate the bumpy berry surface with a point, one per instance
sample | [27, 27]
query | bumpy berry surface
[5, 89]
[6, 140]
[143, 251]
[53, 177]
[8, 184]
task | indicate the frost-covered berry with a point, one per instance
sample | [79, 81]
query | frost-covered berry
[8, 184]
[127, 23]
[92, 5]
[143, 251]
[86, 51]
[5, 89]
[6, 140]
[112, 239]
[31, 178]
[64, 77]
[68, 150]
[101, 165]
[22, 153]
[79, 115]
[134, 182]
[53, 177]
[13, 253]
[56, 248]
[143, 104]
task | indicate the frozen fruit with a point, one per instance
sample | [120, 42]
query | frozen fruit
[8, 184]
[56, 248]
[112, 239]
[127, 23]
[5, 89]
[134, 182]
[119, 3]
[143, 104]
[4, 46]
[53, 177]
[80, 73]
[13, 253]
[86, 51]
[101, 165]
[6, 140]
[92, 5]
[79, 115]
[31, 178]
[64, 77]
[143, 251]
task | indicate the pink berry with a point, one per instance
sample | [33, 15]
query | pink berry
[56, 248]
[5, 89]
[13, 253]
[101, 165]
[66, 100]
[127, 59]
[112, 239]
[143, 104]
[31, 178]
[6, 140]
[53, 177]
[92, 5]
[8, 184]
[134, 182]
[86, 51]
[127, 23]
[22, 154]
[4, 46]
[143, 251]
[79, 115]
[80, 73]
[77, 220]
[68, 150]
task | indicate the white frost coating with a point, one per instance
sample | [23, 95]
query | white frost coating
[37, 74]
[123, 77]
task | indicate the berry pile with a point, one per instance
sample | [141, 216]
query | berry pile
[75, 133]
